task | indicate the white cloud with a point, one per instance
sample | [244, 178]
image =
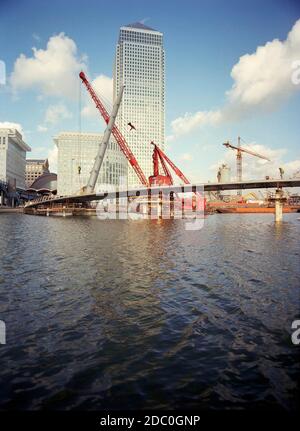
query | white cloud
[169, 138]
[188, 122]
[262, 80]
[9, 125]
[36, 37]
[186, 157]
[54, 70]
[41, 128]
[103, 85]
[56, 113]
[53, 115]
[254, 167]
[292, 168]
[52, 158]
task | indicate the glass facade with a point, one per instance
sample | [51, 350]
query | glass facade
[76, 155]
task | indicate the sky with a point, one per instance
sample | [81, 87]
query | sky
[232, 69]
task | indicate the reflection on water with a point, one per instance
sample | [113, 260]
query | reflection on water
[124, 314]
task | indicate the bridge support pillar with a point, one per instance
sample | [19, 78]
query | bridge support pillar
[149, 204]
[172, 209]
[160, 206]
[183, 208]
[117, 205]
[279, 199]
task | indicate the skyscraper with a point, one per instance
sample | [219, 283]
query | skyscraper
[140, 65]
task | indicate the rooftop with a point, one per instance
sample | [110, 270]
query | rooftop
[16, 137]
[47, 181]
[140, 26]
[35, 160]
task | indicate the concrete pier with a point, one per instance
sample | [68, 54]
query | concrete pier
[172, 207]
[279, 200]
[160, 206]
[278, 207]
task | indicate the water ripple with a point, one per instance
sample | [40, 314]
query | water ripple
[144, 315]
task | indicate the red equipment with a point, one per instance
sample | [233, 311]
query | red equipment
[115, 131]
[166, 179]
[158, 154]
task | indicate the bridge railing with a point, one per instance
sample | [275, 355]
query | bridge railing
[40, 200]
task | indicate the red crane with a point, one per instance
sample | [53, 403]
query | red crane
[115, 131]
[158, 154]
[166, 179]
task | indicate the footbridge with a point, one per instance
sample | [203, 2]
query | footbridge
[165, 190]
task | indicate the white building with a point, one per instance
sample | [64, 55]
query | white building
[224, 176]
[12, 157]
[139, 64]
[76, 155]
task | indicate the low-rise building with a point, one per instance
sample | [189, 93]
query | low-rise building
[12, 157]
[34, 169]
[75, 159]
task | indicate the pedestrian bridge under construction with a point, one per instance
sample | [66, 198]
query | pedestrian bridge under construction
[155, 197]
[165, 190]
[156, 191]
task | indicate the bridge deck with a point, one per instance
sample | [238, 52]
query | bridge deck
[143, 191]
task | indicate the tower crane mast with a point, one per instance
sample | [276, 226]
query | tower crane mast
[239, 163]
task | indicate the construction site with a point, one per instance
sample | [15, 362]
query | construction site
[254, 201]
[153, 204]
[162, 195]
[149, 213]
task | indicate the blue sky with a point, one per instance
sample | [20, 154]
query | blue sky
[203, 41]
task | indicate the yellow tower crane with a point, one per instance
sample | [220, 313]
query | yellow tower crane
[239, 166]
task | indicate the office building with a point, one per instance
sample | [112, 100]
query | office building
[76, 155]
[139, 64]
[12, 158]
